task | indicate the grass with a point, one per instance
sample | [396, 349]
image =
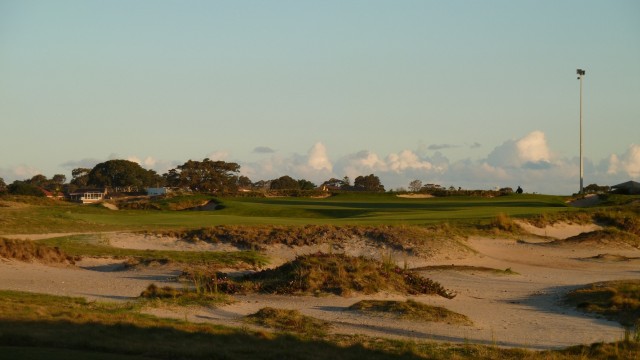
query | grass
[466, 268]
[31, 325]
[410, 310]
[41, 216]
[338, 274]
[182, 297]
[24, 250]
[414, 239]
[615, 300]
[290, 321]
[93, 245]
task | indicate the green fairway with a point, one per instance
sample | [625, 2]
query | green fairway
[344, 209]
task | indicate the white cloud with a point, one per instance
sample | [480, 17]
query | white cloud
[407, 159]
[318, 159]
[530, 151]
[314, 166]
[628, 163]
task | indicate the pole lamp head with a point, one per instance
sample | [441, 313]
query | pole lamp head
[580, 73]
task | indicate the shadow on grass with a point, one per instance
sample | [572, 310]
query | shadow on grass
[124, 339]
[550, 301]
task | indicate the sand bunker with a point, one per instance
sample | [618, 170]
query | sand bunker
[522, 310]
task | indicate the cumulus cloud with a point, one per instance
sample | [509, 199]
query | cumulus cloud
[263, 150]
[314, 166]
[407, 159]
[627, 163]
[530, 151]
[318, 159]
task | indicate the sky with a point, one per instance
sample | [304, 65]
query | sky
[471, 94]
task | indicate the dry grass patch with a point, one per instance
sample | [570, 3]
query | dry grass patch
[466, 268]
[410, 310]
[183, 297]
[320, 273]
[609, 237]
[411, 239]
[28, 251]
[289, 320]
[615, 300]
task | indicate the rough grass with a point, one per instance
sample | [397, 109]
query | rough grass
[28, 251]
[410, 310]
[32, 324]
[94, 245]
[290, 321]
[466, 268]
[609, 237]
[184, 297]
[337, 274]
[412, 239]
[615, 300]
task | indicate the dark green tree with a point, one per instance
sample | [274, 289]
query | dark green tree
[123, 175]
[24, 188]
[368, 183]
[415, 185]
[80, 177]
[3, 186]
[304, 184]
[244, 182]
[206, 176]
[284, 183]
[38, 180]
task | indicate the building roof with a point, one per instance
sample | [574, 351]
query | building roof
[631, 186]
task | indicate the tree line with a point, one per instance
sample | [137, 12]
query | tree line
[207, 176]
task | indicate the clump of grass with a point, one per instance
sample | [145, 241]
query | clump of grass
[615, 300]
[25, 250]
[504, 222]
[183, 296]
[609, 237]
[411, 310]
[90, 245]
[467, 268]
[289, 320]
[337, 274]
[402, 238]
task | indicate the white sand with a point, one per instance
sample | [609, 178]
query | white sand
[510, 310]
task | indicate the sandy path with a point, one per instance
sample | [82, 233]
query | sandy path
[511, 310]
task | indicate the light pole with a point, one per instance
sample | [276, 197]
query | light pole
[581, 73]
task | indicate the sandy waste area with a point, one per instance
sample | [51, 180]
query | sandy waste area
[522, 310]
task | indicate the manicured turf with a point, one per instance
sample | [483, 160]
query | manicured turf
[355, 209]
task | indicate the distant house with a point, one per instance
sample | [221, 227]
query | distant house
[629, 187]
[158, 191]
[88, 196]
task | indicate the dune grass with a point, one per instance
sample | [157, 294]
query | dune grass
[32, 324]
[93, 245]
[24, 250]
[467, 268]
[290, 321]
[321, 274]
[615, 300]
[410, 310]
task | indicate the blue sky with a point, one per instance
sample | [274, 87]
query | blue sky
[474, 94]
